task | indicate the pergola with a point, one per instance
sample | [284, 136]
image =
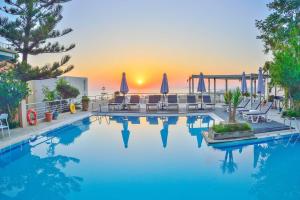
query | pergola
[252, 77]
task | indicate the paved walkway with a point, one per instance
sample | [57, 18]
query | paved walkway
[20, 134]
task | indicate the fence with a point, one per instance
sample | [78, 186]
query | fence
[6, 46]
[63, 105]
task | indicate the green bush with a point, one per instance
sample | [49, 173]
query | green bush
[85, 98]
[291, 113]
[12, 91]
[65, 90]
[224, 128]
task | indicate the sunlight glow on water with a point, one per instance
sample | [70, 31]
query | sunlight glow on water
[148, 158]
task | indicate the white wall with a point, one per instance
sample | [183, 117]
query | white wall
[36, 87]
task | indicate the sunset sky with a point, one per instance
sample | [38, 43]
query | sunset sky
[145, 38]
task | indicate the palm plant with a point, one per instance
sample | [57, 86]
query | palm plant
[228, 99]
[232, 99]
[236, 99]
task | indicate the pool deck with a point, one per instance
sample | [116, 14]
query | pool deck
[21, 134]
[262, 130]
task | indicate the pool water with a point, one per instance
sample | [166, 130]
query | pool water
[147, 158]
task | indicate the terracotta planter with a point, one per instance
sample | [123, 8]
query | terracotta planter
[85, 105]
[48, 116]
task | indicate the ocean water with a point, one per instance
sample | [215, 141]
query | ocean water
[147, 158]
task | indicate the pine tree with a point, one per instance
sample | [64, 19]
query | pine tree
[30, 25]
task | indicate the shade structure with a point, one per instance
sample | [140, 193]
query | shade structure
[201, 84]
[124, 87]
[261, 83]
[164, 89]
[244, 84]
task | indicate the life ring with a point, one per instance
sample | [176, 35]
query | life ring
[72, 108]
[29, 119]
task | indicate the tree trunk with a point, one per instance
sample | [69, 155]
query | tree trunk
[24, 57]
[230, 112]
[233, 114]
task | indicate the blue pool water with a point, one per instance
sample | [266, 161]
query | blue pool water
[147, 158]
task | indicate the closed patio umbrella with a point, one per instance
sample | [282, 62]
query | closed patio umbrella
[124, 87]
[261, 84]
[201, 87]
[244, 84]
[164, 89]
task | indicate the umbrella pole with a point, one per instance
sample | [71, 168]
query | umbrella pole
[201, 101]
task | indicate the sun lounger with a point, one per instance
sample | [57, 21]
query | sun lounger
[153, 102]
[242, 105]
[191, 103]
[117, 103]
[207, 101]
[254, 106]
[172, 102]
[261, 113]
[134, 102]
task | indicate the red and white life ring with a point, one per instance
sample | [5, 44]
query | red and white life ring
[29, 119]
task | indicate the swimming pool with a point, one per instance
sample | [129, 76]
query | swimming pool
[147, 158]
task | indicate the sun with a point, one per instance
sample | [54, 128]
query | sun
[140, 81]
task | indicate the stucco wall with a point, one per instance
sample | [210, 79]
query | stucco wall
[36, 87]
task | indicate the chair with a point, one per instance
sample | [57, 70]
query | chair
[153, 101]
[261, 113]
[118, 102]
[172, 102]
[207, 101]
[134, 102]
[242, 105]
[254, 106]
[191, 102]
[4, 123]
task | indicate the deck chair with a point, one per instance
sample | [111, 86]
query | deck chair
[117, 103]
[172, 102]
[153, 102]
[4, 123]
[261, 113]
[134, 102]
[242, 105]
[207, 101]
[191, 103]
[255, 105]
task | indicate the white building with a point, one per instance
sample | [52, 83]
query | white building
[36, 87]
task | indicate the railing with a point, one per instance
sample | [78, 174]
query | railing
[144, 96]
[96, 101]
[6, 46]
[60, 106]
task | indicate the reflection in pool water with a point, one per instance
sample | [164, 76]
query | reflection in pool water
[147, 158]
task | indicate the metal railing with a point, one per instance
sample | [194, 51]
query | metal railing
[60, 106]
[6, 46]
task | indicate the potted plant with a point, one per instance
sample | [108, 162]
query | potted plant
[49, 97]
[85, 103]
[231, 129]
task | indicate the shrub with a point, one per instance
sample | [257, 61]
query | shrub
[291, 113]
[65, 90]
[12, 91]
[85, 98]
[49, 95]
[224, 128]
